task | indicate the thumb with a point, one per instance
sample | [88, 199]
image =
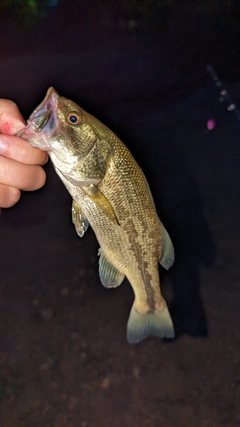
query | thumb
[11, 120]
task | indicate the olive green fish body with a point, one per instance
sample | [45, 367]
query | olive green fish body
[111, 193]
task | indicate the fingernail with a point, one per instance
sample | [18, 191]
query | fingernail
[3, 144]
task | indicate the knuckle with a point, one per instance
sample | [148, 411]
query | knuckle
[12, 103]
[9, 196]
[34, 156]
[43, 178]
[42, 157]
[5, 170]
[39, 178]
[45, 158]
[15, 195]
[7, 103]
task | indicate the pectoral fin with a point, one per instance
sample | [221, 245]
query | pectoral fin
[102, 202]
[80, 222]
[109, 275]
[167, 258]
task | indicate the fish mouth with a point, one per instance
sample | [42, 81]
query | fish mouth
[42, 122]
[41, 114]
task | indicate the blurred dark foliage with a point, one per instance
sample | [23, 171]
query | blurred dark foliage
[28, 11]
[34, 9]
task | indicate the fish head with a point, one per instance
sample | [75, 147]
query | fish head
[60, 127]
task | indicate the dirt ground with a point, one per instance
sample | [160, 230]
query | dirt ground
[64, 358]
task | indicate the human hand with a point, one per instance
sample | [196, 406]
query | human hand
[19, 162]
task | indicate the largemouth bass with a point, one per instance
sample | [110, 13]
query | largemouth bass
[111, 193]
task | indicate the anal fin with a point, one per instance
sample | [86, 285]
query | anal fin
[109, 275]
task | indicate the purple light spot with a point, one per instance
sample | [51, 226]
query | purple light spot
[211, 124]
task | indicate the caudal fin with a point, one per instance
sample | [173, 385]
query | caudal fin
[140, 325]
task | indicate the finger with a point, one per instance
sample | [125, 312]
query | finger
[19, 175]
[9, 196]
[17, 149]
[11, 120]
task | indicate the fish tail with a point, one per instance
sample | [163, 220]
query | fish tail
[158, 323]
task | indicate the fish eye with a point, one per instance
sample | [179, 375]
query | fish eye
[74, 118]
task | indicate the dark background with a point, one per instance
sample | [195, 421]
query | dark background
[140, 67]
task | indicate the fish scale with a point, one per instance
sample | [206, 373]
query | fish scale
[111, 193]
